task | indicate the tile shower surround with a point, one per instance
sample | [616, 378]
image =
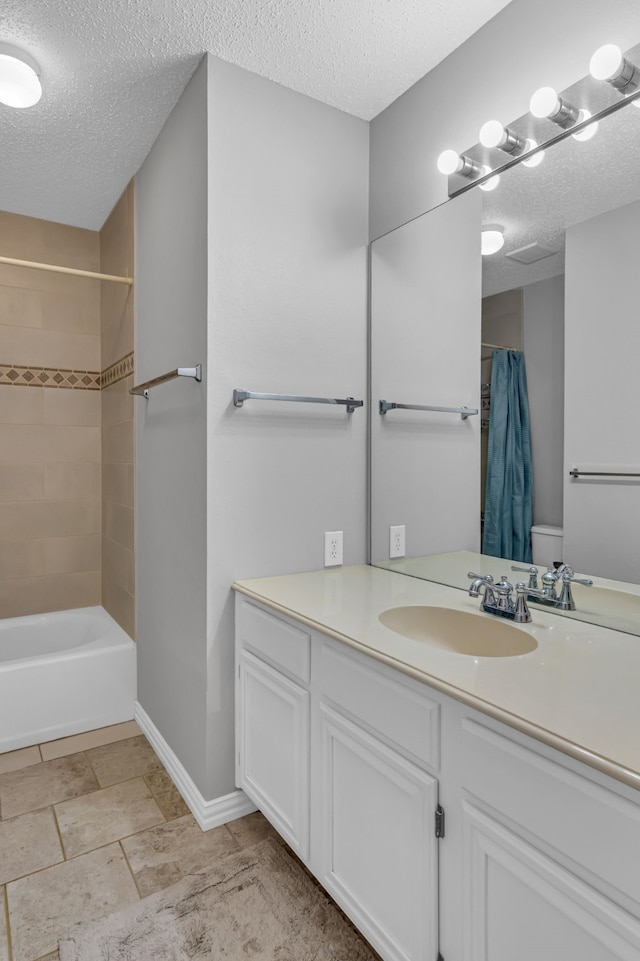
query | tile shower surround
[88, 825]
[66, 451]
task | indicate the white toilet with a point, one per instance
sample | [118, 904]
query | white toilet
[546, 545]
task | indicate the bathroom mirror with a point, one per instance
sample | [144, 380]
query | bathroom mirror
[568, 300]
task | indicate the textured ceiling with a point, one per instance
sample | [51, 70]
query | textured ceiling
[113, 69]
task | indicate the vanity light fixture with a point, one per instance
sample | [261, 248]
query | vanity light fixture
[545, 104]
[494, 134]
[492, 239]
[609, 64]
[451, 162]
[19, 78]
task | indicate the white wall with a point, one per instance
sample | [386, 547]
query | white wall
[268, 288]
[530, 43]
[602, 394]
[544, 360]
[171, 430]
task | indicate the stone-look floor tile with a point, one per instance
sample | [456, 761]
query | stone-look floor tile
[168, 797]
[54, 956]
[28, 843]
[4, 944]
[167, 853]
[114, 812]
[251, 829]
[123, 760]
[14, 760]
[45, 906]
[44, 784]
[83, 742]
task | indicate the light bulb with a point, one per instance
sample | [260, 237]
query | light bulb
[492, 182]
[544, 103]
[537, 158]
[492, 134]
[589, 131]
[19, 82]
[492, 239]
[450, 162]
[608, 64]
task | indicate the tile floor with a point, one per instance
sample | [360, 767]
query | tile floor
[89, 824]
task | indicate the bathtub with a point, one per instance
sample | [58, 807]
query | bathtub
[63, 673]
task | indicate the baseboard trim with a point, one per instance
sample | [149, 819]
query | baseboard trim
[208, 814]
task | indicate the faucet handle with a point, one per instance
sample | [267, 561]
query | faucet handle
[522, 614]
[480, 577]
[533, 575]
[570, 576]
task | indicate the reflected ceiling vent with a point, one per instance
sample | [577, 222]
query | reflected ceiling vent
[531, 253]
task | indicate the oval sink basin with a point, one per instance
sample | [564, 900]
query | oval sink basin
[459, 631]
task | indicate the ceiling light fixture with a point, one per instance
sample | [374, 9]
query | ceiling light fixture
[494, 134]
[492, 239]
[19, 78]
[545, 104]
[451, 162]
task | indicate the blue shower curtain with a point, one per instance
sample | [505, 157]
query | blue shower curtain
[509, 492]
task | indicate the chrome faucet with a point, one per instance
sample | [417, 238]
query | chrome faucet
[498, 597]
[561, 575]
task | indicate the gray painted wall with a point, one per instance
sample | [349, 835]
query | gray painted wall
[268, 288]
[171, 429]
[288, 228]
[544, 358]
[530, 43]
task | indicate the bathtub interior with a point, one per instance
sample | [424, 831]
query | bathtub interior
[63, 673]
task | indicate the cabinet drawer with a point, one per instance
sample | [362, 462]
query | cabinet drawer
[588, 824]
[274, 639]
[397, 711]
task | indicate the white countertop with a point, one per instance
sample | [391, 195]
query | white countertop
[579, 691]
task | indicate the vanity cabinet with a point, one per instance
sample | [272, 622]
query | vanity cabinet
[272, 721]
[351, 759]
[340, 753]
[549, 856]
[377, 750]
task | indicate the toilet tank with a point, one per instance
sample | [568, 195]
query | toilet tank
[546, 544]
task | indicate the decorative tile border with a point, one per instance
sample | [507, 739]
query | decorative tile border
[49, 377]
[117, 372]
[13, 374]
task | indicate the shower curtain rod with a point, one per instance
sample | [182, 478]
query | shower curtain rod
[55, 268]
[499, 347]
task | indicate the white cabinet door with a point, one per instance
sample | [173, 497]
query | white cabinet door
[273, 746]
[520, 905]
[378, 853]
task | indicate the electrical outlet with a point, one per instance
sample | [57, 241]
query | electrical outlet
[396, 541]
[332, 548]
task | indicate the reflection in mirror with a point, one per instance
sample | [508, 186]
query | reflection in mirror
[563, 292]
